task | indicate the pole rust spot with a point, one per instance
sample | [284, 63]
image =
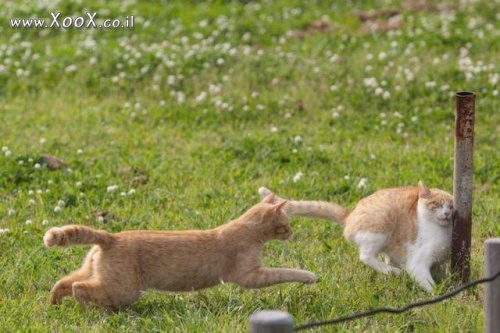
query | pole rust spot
[465, 106]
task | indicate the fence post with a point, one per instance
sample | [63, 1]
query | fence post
[463, 185]
[271, 321]
[492, 289]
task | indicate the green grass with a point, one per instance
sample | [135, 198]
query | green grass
[126, 108]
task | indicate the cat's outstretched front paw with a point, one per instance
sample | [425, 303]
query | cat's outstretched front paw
[309, 278]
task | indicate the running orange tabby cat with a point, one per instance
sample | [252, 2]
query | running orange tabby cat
[411, 225]
[120, 266]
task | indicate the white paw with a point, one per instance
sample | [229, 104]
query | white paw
[52, 237]
[394, 270]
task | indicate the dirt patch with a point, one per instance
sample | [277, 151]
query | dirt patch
[387, 19]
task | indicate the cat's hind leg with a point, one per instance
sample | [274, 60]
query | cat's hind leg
[96, 292]
[370, 245]
[64, 286]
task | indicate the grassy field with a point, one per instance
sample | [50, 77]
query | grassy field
[175, 124]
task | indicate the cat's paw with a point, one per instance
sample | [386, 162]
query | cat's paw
[264, 192]
[394, 270]
[309, 278]
[53, 237]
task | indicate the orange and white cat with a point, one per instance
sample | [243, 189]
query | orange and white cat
[120, 266]
[411, 225]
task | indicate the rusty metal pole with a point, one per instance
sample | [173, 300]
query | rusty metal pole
[463, 185]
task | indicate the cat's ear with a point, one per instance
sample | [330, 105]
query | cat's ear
[280, 206]
[270, 198]
[422, 190]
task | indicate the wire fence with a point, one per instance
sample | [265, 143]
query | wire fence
[281, 322]
[397, 310]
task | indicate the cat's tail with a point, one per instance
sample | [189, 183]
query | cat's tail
[77, 235]
[315, 209]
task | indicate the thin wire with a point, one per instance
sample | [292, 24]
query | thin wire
[400, 310]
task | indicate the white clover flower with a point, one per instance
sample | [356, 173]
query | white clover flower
[37, 166]
[362, 183]
[386, 95]
[31, 202]
[201, 97]
[246, 37]
[42, 141]
[28, 222]
[57, 209]
[131, 192]
[214, 89]
[71, 69]
[5, 148]
[334, 88]
[181, 97]
[7, 153]
[4, 231]
[112, 188]
[220, 62]
[298, 139]
[10, 212]
[274, 129]
[123, 194]
[370, 82]
[347, 177]
[334, 58]
[445, 87]
[298, 176]
[45, 222]
[78, 184]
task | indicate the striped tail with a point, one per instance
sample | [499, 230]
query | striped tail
[315, 209]
[77, 235]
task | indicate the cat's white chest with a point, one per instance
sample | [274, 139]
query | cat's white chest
[432, 243]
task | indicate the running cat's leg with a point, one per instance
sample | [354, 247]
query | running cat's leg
[64, 286]
[263, 277]
[96, 292]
